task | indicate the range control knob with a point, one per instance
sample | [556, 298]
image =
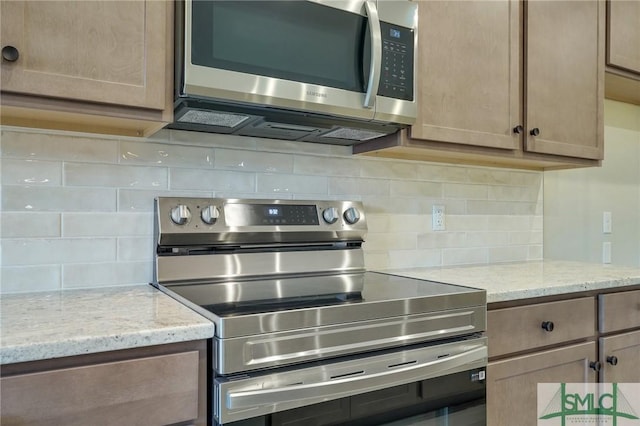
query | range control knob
[180, 214]
[330, 215]
[210, 214]
[351, 215]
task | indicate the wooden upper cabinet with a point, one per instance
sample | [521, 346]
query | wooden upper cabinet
[90, 66]
[490, 72]
[99, 51]
[623, 35]
[565, 78]
[469, 78]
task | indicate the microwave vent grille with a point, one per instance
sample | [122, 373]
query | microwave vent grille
[213, 118]
[352, 134]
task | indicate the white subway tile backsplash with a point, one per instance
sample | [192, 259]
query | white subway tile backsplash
[57, 199]
[77, 210]
[253, 161]
[106, 224]
[162, 154]
[508, 254]
[389, 169]
[31, 172]
[135, 249]
[20, 279]
[290, 184]
[411, 258]
[30, 225]
[325, 166]
[464, 256]
[360, 186]
[390, 241]
[415, 188]
[37, 145]
[465, 191]
[22, 252]
[101, 175]
[90, 275]
[137, 200]
[211, 180]
[441, 240]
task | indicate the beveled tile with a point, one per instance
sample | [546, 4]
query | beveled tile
[291, 184]
[23, 279]
[107, 224]
[91, 275]
[22, 252]
[252, 161]
[415, 188]
[211, 180]
[57, 199]
[58, 147]
[30, 225]
[119, 176]
[164, 154]
[360, 186]
[31, 172]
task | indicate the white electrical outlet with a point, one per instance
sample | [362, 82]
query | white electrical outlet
[437, 218]
[606, 252]
[606, 222]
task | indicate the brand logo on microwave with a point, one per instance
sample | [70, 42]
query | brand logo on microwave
[316, 94]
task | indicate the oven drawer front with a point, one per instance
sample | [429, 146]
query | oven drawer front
[243, 397]
[269, 350]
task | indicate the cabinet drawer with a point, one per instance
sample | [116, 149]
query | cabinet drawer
[619, 311]
[521, 328]
[145, 391]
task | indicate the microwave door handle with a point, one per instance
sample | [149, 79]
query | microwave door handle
[376, 54]
[358, 383]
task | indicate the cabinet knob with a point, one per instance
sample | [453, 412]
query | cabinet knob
[595, 366]
[534, 132]
[547, 325]
[613, 360]
[518, 129]
[10, 54]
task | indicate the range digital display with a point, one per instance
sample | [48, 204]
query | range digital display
[273, 211]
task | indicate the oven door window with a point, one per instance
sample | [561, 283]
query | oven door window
[291, 40]
[447, 400]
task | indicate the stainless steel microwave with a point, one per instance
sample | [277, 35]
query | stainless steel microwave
[329, 71]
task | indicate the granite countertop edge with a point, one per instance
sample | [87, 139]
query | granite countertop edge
[516, 281]
[46, 325]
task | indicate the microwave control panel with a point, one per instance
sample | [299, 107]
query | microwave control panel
[396, 79]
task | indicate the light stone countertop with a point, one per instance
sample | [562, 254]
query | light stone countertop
[44, 325]
[523, 280]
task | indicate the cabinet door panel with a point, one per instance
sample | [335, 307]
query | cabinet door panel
[146, 391]
[623, 29]
[469, 84]
[512, 384]
[98, 51]
[626, 348]
[565, 77]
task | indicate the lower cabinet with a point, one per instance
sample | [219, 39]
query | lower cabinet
[136, 388]
[512, 384]
[590, 339]
[620, 358]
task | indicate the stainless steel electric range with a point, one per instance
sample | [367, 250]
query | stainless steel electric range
[304, 334]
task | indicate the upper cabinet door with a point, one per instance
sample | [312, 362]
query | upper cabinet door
[468, 73]
[565, 77]
[100, 51]
[623, 29]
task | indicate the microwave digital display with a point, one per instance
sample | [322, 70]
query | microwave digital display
[395, 33]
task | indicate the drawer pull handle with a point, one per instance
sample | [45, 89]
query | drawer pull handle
[596, 366]
[10, 53]
[613, 360]
[547, 325]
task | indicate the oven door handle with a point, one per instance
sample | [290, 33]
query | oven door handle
[355, 384]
